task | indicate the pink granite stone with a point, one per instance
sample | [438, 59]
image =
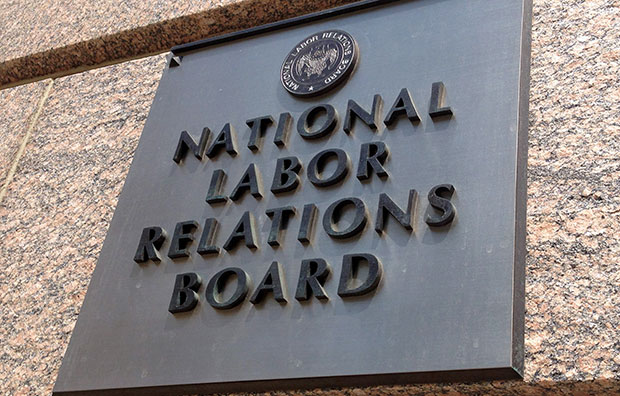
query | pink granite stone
[57, 210]
[64, 37]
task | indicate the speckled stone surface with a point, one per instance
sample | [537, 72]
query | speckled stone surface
[66, 36]
[573, 268]
[31, 26]
[17, 108]
[502, 388]
[58, 208]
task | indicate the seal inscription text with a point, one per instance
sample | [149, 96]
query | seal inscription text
[319, 62]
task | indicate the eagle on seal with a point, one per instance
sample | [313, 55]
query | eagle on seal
[316, 61]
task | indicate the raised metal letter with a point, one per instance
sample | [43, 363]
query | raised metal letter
[403, 105]
[333, 213]
[308, 117]
[150, 242]
[372, 157]
[279, 221]
[438, 97]
[307, 223]
[182, 238]
[312, 275]
[284, 126]
[387, 206]
[370, 119]
[286, 176]
[226, 140]
[350, 266]
[214, 195]
[248, 182]
[316, 165]
[271, 283]
[207, 239]
[442, 204]
[187, 143]
[243, 230]
[216, 285]
[258, 127]
[185, 296]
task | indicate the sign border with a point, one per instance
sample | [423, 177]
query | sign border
[518, 313]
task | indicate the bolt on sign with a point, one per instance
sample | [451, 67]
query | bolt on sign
[333, 200]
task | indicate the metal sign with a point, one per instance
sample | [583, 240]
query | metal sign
[333, 200]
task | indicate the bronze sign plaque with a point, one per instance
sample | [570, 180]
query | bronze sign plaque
[333, 200]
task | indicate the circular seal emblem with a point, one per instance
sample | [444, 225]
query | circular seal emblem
[319, 62]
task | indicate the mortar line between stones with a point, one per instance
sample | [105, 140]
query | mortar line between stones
[22, 148]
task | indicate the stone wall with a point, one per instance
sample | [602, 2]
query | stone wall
[67, 143]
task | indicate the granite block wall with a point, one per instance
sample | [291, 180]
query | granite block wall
[56, 212]
[78, 134]
[63, 37]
